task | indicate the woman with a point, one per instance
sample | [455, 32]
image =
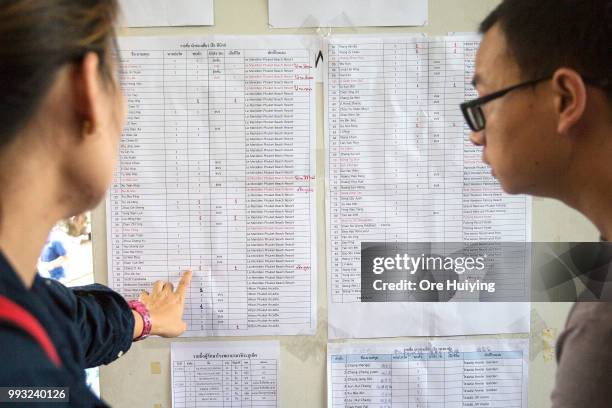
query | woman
[61, 115]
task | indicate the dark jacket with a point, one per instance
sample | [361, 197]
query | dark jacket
[89, 326]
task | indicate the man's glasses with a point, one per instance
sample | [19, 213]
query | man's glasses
[472, 110]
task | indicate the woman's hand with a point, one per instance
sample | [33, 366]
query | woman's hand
[165, 306]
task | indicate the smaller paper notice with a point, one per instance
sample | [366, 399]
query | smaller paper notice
[225, 374]
[439, 373]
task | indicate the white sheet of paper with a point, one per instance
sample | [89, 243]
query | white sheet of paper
[217, 175]
[346, 13]
[225, 374]
[400, 168]
[161, 13]
[438, 373]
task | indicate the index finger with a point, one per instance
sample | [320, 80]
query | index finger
[184, 284]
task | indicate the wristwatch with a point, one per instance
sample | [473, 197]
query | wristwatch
[138, 306]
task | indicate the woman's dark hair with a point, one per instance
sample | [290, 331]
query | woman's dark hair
[544, 35]
[37, 37]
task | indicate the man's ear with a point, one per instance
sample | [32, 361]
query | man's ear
[86, 76]
[570, 98]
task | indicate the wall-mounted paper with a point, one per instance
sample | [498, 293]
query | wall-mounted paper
[225, 374]
[216, 175]
[160, 13]
[400, 168]
[347, 13]
[438, 373]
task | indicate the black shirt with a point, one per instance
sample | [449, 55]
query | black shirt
[89, 326]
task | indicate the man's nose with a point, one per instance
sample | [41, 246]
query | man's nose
[478, 138]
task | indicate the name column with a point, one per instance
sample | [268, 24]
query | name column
[142, 198]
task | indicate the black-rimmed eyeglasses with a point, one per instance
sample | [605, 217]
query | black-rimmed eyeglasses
[472, 110]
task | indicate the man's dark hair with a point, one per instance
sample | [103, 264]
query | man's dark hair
[543, 35]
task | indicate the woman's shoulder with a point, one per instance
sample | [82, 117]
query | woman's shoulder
[24, 362]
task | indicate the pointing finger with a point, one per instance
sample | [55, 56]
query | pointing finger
[184, 284]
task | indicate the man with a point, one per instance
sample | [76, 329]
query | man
[544, 120]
